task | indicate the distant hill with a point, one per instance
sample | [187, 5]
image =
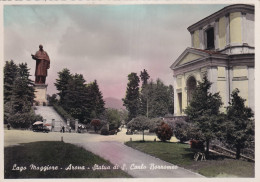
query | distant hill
[114, 103]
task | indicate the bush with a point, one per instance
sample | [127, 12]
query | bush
[197, 145]
[164, 132]
[104, 131]
[154, 123]
[64, 114]
[182, 131]
[113, 132]
[21, 120]
[97, 124]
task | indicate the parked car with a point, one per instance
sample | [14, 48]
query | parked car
[40, 128]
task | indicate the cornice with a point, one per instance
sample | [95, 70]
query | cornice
[244, 8]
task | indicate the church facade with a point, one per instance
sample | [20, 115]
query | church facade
[222, 47]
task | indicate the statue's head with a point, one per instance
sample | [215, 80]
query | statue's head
[41, 47]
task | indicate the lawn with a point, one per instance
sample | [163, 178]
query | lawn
[56, 160]
[182, 155]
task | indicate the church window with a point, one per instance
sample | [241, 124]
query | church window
[210, 39]
[191, 85]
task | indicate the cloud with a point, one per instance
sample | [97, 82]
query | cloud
[102, 42]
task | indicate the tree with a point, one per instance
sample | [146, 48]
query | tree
[61, 84]
[97, 124]
[164, 132]
[23, 90]
[19, 96]
[203, 112]
[157, 97]
[112, 116]
[10, 74]
[154, 123]
[139, 123]
[240, 125]
[182, 130]
[171, 99]
[144, 97]
[96, 99]
[52, 99]
[132, 100]
[144, 77]
[75, 97]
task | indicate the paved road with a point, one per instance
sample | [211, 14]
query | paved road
[111, 148]
[136, 163]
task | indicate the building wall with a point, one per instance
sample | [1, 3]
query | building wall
[249, 29]
[196, 39]
[240, 81]
[222, 32]
[222, 86]
[181, 87]
[235, 28]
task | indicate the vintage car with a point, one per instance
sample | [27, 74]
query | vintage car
[40, 128]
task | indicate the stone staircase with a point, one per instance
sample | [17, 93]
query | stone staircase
[50, 117]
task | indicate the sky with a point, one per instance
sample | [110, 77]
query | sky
[102, 42]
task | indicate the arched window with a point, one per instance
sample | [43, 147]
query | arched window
[191, 85]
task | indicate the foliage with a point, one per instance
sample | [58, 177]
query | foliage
[182, 155]
[139, 123]
[164, 132]
[23, 120]
[19, 95]
[144, 77]
[97, 124]
[240, 125]
[112, 116]
[96, 99]
[10, 74]
[203, 112]
[52, 99]
[61, 84]
[81, 100]
[182, 131]
[131, 100]
[154, 123]
[104, 130]
[156, 99]
[64, 114]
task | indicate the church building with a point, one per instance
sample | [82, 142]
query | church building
[223, 48]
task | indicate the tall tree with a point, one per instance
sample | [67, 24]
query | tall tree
[18, 111]
[203, 111]
[23, 90]
[144, 77]
[132, 100]
[61, 84]
[143, 110]
[156, 99]
[171, 99]
[96, 99]
[240, 124]
[75, 97]
[10, 74]
[139, 123]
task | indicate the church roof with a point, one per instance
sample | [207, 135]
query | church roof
[191, 55]
[245, 8]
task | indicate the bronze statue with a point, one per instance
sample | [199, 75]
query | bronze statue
[42, 64]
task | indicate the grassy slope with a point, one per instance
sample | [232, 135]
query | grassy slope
[55, 153]
[181, 155]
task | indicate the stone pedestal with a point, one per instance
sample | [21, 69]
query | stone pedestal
[40, 94]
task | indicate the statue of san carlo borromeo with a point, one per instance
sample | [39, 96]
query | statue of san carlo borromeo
[42, 65]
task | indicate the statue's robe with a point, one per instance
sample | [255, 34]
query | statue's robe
[42, 63]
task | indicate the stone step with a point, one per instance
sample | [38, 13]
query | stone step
[48, 113]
